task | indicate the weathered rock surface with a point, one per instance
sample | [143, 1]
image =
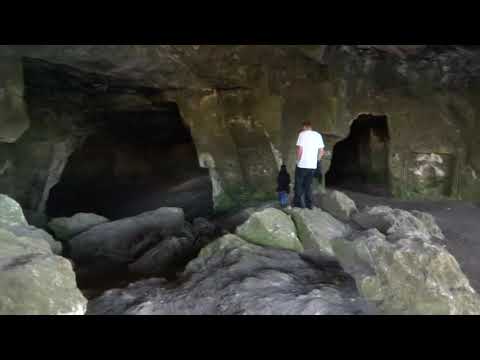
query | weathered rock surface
[33, 281]
[234, 277]
[234, 219]
[122, 242]
[244, 105]
[409, 277]
[34, 233]
[11, 212]
[401, 266]
[318, 229]
[404, 271]
[204, 231]
[164, 258]
[37, 284]
[67, 228]
[229, 241]
[397, 223]
[430, 223]
[13, 220]
[271, 227]
[338, 204]
[37, 219]
[173, 252]
[14, 120]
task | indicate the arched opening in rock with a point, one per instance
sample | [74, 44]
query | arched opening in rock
[136, 161]
[360, 162]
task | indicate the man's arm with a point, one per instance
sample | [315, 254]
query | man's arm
[321, 154]
[299, 153]
[299, 147]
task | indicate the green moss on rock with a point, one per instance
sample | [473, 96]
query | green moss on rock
[272, 228]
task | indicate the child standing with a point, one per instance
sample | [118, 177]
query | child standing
[283, 188]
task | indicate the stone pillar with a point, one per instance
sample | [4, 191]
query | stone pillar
[59, 157]
[237, 136]
[203, 113]
[14, 120]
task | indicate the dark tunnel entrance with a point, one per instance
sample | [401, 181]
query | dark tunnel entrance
[360, 162]
[135, 162]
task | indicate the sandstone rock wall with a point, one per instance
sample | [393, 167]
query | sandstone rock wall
[245, 103]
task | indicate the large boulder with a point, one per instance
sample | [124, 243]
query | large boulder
[235, 277]
[122, 242]
[13, 220]
[11, 212]
[171, 253]
[408, 277]
[317, 229]
[34, 281]
[398, 223]
[338, 204]
[66, 228]
[229, 241]
[271, 227]
[430, 223]
[232, 220]
[205, 231]
[32, 232]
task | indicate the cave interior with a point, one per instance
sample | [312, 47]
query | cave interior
[361, 161]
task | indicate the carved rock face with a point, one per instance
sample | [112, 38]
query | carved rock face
[244, 117]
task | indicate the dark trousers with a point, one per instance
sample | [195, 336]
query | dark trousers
[303, 187]
[283, 197]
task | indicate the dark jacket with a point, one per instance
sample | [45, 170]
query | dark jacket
[283, 181]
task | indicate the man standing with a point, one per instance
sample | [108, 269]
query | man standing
[310, 149]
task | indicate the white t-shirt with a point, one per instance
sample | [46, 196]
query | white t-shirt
[311, 142]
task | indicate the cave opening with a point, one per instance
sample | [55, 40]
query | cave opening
[134, 161]
[360, 163]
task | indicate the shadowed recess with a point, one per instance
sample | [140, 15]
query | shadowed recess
[134, 162]
[360, 162]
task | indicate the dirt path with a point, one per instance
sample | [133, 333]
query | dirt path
[460, 222]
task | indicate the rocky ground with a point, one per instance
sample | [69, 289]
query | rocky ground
[60, 103]
[347, 257]
[33, 280]
[336, 260]
[234, 277]
[459, 221]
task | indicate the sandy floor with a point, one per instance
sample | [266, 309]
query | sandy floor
[460, 222]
